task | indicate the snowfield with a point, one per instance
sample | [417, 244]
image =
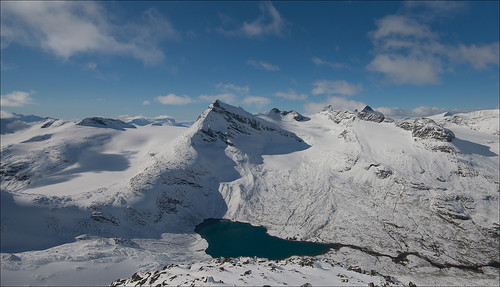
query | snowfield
[415, 200]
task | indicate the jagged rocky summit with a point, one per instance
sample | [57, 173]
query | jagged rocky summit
[294, 114]
[368, 114]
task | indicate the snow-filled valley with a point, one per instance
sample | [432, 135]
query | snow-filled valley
[413, 200]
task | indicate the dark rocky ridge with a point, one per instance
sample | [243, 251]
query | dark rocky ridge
[296, 116]
[100, 122]
[368, 114]
[425, 128]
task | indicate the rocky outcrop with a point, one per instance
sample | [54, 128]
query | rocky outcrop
[425, 128]
[368, 114]
[99, 122]
[338, 116]
[294, 114]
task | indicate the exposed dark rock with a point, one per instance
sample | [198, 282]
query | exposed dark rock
[238, 122]
[338, 116]
[296, 116]
[383, 173]
[425, 128]
[406, 125]
[48, 123]
[428, 129]
[100, 122]
[100, 217]
[126, 242]
[17, 170]
[368, 114]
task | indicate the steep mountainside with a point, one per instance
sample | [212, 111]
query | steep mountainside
[416, 199]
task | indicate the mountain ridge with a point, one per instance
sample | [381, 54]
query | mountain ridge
[335, 178]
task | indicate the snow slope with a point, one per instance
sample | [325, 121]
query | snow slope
[408, 204]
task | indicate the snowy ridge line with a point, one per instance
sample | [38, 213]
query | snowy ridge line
[254, 271]
[402, 257]
[421, 207]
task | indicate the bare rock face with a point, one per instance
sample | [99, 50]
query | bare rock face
[338, 116]
[99, 122]
[368, 114]
[294, 114]
[425, 128]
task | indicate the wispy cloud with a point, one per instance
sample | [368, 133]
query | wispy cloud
[263, 65]
[232, 88]
[226, 92]
[291, 95]
[479, 57]
[432, 9]
[422, 111]
[91, 66]
[339, 87]
[172, 99]
[16, 99]
[399, 25]
[337, 103]
[256, 101]
[146, 103]
[70, 28]
[225, 97]
[320, 62]
[408, 51]
[407, 70]
[269, 23]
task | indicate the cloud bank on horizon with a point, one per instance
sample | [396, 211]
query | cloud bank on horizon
[77, 59]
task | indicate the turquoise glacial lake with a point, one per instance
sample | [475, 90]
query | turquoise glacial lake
[232, 239]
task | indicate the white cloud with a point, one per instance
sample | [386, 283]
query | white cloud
[436, 8]
[269, 23]
[226, 92]
[400, 26]
[91, 66]
[479, 57]
[320, 62]
[340, 87]
[422, 111]
[6, 115]
[407, 51]
[337, 103]
[291, 95]
[172, 99]
[146, 103]
[257, 101]
[225, 97]
[263, 65]
[406, 70]
[16, 99]
[69, 28]
[232, 88]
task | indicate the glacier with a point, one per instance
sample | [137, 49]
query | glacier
[416, 200]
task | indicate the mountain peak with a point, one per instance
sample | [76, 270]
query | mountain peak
[367, 109]
[99, 122]
[368, 114]
[292, 113]
[223, 121]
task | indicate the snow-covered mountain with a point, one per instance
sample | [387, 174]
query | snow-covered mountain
[416, 199]
[156, 121]
[12, 122]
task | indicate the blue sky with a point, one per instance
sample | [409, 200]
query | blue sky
[72, 60]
